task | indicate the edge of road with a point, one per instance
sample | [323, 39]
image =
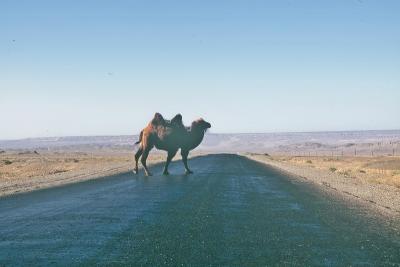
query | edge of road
[47, 182]
[382, 199]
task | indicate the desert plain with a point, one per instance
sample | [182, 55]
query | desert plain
[364, 165]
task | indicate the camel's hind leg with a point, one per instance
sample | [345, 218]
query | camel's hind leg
[137, 156]
[171, 155]
[185, 154]
[145, 154]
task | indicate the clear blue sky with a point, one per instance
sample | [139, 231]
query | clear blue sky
[104, 67]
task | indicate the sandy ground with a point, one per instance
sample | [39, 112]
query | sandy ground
[374, 180]
[376, 170]
[30, 170]
[23, 171]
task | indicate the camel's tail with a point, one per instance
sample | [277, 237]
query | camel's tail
[140, 138]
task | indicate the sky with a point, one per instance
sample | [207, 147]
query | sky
[105, 67]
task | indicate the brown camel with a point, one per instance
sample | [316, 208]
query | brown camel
[169, 136]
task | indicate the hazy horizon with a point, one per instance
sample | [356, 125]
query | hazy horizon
[209, 132]
[102, 68]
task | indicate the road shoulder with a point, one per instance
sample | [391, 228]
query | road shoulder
[35, 171]
[380, 197]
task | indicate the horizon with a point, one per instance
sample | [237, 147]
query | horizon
[208, 132]
[97, 68]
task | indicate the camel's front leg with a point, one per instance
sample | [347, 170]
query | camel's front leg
[185, 154]
[171, 155]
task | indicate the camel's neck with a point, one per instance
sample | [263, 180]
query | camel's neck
[196, 136]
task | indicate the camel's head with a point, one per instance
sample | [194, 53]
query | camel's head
[201, 124]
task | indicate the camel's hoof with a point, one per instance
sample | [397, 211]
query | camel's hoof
[165, 173]
[189, 172]
[149, 174]
[135, 171]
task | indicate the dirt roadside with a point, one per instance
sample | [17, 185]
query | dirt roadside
[28, 171]
[383, 196]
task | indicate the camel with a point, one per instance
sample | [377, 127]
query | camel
[169, 136]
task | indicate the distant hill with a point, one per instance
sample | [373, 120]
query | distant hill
[303, 142]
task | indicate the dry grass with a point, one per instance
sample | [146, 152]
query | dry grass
[25, 171]
[18, 165]
[30, 170]
[38, 165]
[382, 170]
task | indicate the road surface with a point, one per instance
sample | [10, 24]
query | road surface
[231, 212]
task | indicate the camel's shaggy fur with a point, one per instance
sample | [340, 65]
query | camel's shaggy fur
[169, 136]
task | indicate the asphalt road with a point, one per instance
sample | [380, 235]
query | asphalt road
[231, 212]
